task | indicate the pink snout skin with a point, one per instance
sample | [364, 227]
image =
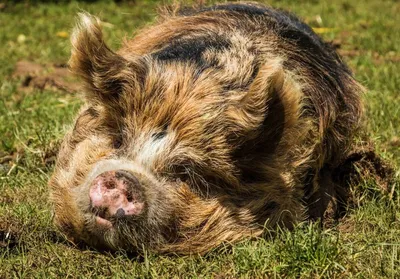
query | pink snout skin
[112, 194]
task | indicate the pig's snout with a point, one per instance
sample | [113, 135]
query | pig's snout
[115, 194]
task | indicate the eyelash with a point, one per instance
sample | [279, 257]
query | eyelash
[160, 135]
[117, 142]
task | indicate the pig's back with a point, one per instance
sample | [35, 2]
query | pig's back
[235, 39]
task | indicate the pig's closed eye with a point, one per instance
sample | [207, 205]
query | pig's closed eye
[160, 135]
[117, 143]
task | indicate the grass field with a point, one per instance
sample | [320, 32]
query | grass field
[365, 244]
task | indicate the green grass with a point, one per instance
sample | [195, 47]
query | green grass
[366, 244]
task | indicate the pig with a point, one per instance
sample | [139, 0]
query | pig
[214, 125]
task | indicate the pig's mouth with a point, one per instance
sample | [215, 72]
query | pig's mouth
[116, 196]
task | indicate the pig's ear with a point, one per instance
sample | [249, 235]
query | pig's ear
[272, 102]
[103, 71]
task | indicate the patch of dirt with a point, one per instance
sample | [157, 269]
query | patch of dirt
[37, 76]
[8, 161]
[363, 163]
[377, 58]
[9, 234]
[395, 142]
[344, 184]
[340, 43]
[347, 225]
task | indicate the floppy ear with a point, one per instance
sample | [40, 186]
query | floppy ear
[104, 72]
[271, 103]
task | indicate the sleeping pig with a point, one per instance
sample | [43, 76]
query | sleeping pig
[209, 127]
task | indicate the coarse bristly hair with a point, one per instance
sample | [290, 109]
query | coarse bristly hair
[234, 118]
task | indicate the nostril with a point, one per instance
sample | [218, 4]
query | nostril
[120, 213]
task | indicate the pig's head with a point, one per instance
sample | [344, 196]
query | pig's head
[157, 157]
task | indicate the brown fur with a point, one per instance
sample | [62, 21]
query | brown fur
[255, 129]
